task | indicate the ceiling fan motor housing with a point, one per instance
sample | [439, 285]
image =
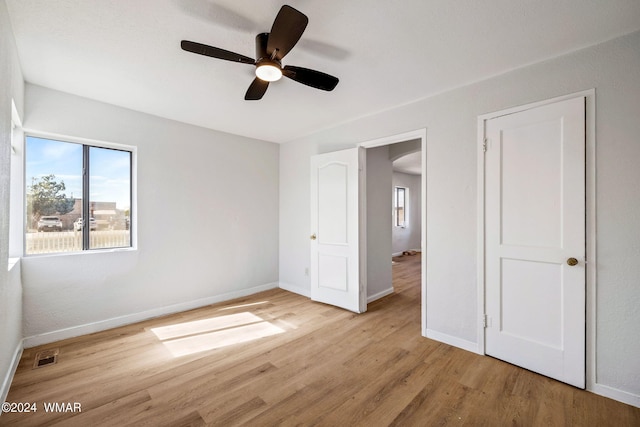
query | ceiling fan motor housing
[267, 68]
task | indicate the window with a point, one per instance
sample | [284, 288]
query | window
[78, 196]
[400, 207]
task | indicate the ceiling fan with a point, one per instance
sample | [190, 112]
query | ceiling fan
[270, 49]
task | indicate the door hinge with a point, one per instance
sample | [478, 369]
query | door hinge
[484, 145]
[486, 321]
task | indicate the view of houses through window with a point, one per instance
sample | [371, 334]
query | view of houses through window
[66, 183]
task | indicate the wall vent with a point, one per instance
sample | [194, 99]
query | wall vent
[46, 358]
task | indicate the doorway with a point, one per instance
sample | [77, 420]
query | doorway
[395, 147]
[406, 227]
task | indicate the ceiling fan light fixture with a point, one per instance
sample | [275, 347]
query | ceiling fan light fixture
[268, 72]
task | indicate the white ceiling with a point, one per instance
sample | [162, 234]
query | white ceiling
[386, 53]
[410, 163]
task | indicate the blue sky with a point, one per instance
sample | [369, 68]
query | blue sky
[109, 169]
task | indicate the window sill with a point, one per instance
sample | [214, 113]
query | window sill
[86, 252]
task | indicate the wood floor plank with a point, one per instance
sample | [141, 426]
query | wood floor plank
[298, 363]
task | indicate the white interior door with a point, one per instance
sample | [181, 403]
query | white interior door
[336, 184]
[535, 240]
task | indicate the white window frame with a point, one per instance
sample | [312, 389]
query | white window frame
[16, 192]
[133, 229]
[396, 208]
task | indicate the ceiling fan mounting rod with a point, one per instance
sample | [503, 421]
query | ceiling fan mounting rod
[261, 47]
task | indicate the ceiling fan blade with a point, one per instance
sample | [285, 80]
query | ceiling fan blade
[214, 52]
[256, 90]
[311, 78]
[286, 30]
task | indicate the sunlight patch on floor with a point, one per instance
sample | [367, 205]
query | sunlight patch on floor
[182, 339]
[206, 325]
[243, 305]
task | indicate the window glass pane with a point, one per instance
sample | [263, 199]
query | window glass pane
[109, 198]
[53, 179]
[400, 217]
[57, 217]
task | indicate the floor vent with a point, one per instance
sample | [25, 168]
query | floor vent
[46, 358]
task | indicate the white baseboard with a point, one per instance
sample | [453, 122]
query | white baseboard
[6, 381]
[379, 295]
[615, 394]
[128, 319]
[295, 289]
[400, 253]
[454, 341]
[307, 293]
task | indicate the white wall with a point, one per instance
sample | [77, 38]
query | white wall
[11, 87]
[408, 238]
[613, 69]
[207, 222]
[379, 209]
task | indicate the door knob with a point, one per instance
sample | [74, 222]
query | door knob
[572, 261]
[313, 236]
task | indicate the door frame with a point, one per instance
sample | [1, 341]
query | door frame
[590, 210]
[393, 139]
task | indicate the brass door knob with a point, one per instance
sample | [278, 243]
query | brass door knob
[313, 236]
[572, 262]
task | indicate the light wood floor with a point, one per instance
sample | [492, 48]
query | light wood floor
[313, 365]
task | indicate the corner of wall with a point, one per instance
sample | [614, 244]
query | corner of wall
[8, 378]
[453, 341]
[295, 289]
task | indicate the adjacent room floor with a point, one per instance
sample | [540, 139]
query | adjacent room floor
[277, 358]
